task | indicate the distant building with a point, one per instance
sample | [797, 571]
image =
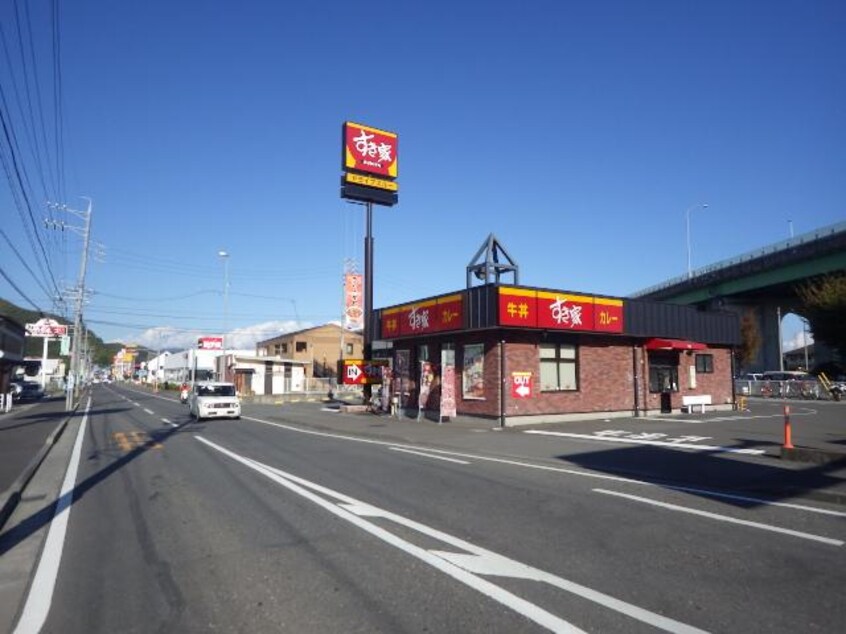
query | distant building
[795, 359]
[318, 349]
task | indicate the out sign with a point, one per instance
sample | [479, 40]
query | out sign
[521, 384]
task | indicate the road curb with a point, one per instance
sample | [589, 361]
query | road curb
[10, 498]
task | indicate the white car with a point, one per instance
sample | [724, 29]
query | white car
[214, 400]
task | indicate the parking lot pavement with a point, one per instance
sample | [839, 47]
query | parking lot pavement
[735, 451]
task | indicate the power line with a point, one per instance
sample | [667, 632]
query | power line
[20, 292]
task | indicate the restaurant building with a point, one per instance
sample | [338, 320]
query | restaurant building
[529, 355]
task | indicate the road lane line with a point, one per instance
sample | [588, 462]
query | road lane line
[428, 455]
[40, 594]
[167, 422]
[723, 518]
[150, 412]
[460, 566]
[654, 443]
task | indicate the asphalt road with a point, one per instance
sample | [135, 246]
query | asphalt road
[280, 522]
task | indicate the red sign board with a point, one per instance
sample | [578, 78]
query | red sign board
[521, 385]
[361, 372]
[210, 343]
[434, 315]
[558, 311]
[608, 314]
[370, 150]
[529, 308]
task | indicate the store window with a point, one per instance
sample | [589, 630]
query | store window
[349, 348]
[664, 372]
[559, 367]
[473, 371]
[705, 363]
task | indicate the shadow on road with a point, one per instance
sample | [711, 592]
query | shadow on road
[774, 480]
[18, 533]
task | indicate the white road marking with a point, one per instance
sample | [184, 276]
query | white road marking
[743, 498]
[464, 567]
[136, 404]
[539, 467]
[40, 595]
[655, 443]
[428, 455]
[167, 422]
[724, 518]
[150, 412]
[330, 409]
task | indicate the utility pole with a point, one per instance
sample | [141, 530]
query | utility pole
[76, 342]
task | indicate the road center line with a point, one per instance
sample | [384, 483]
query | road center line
[428, 455]
[723, 518]
[463, 567]
[40, 595]
[150, 412]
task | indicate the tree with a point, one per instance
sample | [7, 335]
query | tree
[750, 339]
[824, 305]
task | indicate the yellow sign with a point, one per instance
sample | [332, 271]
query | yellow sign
[369, 181]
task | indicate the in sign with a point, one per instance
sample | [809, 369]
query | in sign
[521, 384]
[353, 373]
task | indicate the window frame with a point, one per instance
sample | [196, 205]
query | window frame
[559, 361]
[707, 363]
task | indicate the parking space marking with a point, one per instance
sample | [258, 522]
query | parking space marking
[723, 518]
[653, 443]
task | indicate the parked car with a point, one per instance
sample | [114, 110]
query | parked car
[750, 376]
[214, 400]
[26, 391]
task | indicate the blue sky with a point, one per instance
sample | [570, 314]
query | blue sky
[577, 132]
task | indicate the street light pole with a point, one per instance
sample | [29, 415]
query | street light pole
[687, 217]
[224, 255]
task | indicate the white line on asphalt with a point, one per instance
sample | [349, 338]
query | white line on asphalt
[724, 518]
[428, 455]
[41, 592]
[167, 422]
[460, 566]
[743, 498]
[136, 404]
[150, 412]
[529, 465]
[656, 443]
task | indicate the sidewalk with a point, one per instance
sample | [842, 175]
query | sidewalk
[26, 434]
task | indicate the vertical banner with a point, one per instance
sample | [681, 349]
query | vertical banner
[448, 407]
[473, 372]
[386, 388]
[427, 377]
[401, 375]
[353, 302]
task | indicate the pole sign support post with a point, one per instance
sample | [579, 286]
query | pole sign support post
[370, 162]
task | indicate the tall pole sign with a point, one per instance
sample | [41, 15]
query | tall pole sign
[370, 162]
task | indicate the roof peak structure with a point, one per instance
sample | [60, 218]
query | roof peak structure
[496, 262]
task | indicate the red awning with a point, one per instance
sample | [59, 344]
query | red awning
[673, 344]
